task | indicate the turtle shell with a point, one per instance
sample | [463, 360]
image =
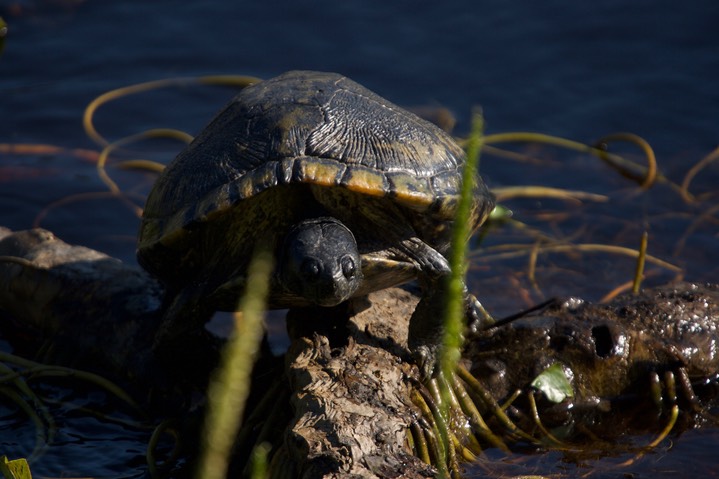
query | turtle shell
[249, 171]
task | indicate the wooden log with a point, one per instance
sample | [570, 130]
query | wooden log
[351, 400]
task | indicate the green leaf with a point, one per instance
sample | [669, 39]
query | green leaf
[15, 469]
[500, 213]
[554, 383]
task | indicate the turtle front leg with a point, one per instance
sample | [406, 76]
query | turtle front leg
[426, 328]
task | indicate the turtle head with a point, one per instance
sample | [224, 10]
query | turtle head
[320, 261]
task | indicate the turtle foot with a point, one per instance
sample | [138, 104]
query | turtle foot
[426, 333]
[426, 328]
[478, 318]
[426, 357]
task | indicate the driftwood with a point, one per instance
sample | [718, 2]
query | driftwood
[99, 306]
[346, 381]
[97, 313]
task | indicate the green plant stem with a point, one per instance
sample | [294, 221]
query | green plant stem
[228, 390]
[452, 341]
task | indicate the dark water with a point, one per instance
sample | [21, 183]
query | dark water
[574, 69]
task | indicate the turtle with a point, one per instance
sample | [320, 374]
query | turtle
[350, 192]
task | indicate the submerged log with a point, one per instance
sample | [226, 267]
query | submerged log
[53, 285]
[95, 304]
[97, 313]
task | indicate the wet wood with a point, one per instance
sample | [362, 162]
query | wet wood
[96, 313]
[91, 302]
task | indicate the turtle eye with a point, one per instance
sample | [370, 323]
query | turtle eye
[348, 267]
[310, 268]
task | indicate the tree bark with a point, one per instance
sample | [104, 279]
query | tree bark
[351, 401]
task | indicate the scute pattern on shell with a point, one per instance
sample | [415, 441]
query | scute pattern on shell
[391, 140]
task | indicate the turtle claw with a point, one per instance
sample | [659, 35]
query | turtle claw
[426, 358]
[478, 318]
